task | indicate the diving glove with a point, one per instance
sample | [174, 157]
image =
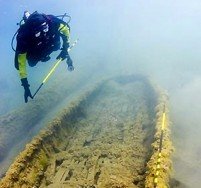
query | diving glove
[63, 54]
[64, 51]
[27, 92]
[70, 64]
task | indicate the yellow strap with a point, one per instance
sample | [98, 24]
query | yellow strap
[63, 29]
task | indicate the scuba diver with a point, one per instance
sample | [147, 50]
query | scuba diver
[38, 36]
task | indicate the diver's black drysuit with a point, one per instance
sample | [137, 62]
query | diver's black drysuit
[37, 38]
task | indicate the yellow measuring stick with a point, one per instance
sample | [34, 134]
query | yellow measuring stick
[158, 167]
[53, 68]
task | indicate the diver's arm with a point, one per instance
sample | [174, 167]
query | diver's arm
[21, 58]
[65, 34]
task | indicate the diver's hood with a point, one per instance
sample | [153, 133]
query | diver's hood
[35, 21]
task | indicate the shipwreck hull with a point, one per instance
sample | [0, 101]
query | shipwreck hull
[107, 138]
